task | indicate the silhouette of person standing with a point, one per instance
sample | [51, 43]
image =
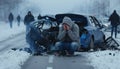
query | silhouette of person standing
[18, 19]
[114, 18]
[11, 18]
[39, 17]
[28, 19]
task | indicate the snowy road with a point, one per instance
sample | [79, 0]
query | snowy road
[18, 41]
[55, 62]
[45, 62]
[83, 61]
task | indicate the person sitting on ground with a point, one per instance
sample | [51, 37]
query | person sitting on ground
[68, 37]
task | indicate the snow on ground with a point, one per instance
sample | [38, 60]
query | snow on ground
[108, 59]
[13, 59]
[7, 32]
[105, 59]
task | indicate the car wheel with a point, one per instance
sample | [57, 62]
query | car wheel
[91, 45]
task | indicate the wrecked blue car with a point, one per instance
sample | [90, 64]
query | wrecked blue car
[44, 32]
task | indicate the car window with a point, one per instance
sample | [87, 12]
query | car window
[95, 22]
[92, 22]
[46, 25]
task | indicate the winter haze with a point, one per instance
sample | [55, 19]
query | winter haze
[44, 7]
[16, 37]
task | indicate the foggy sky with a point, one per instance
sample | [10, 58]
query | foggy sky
[64, 6]
[44, 7]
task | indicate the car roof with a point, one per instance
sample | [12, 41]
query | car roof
[51, 18]
[75, 17]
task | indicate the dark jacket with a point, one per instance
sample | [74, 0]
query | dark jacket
[114, 18]
[28, 18]
[11, 17]
[73, 33]
[39, 17]
[18, 18]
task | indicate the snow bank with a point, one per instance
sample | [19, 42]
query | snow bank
[7, 32]
[109, 59]
[13, 59]
[105, 59]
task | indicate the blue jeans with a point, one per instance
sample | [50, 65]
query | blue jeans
[114, 28]
[71, 47]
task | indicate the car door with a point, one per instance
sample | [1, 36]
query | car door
[96, 31]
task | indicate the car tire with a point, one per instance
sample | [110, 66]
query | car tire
[91, 45]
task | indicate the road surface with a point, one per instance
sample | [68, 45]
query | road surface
[48, 61]
[58, 62]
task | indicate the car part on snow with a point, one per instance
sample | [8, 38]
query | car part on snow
[111, 43]
[22, 49]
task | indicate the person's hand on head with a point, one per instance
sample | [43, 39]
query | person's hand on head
[66, 26]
